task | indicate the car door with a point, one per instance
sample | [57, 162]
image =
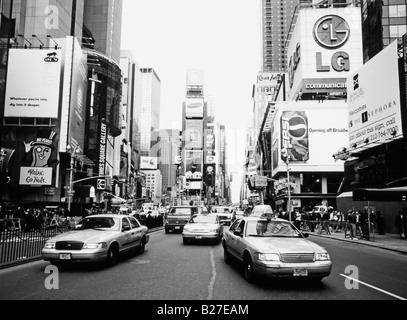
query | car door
[127, 234]
[137, 232]
[233, 240]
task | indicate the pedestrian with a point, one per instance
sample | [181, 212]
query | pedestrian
[351, 219]
[364, 224]
[401, 223]
[380, 223]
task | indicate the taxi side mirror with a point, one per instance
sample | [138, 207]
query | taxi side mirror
[126, 228]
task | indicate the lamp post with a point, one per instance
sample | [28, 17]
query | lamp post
[288, 188]
[72, 163]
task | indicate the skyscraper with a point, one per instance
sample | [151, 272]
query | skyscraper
[149, 121]
[104, 19]
[276, 20]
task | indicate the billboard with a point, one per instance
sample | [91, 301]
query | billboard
[148, 163]
[193, 134]
[310, 133]
[326, 44]
[194, 108]
[193, 165]
[374, 101]
[33, 83]
[195, 78]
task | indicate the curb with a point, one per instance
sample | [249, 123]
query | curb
[362, 242]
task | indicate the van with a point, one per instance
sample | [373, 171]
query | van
[177, 217]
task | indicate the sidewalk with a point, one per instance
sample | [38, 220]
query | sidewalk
[388, 241]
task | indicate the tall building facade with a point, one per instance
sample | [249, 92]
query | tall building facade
[382, 23]
[276, 21]
[104, 19]
[168, 151]
[77, 106]
[149, 120]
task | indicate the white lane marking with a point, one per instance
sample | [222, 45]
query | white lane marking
[212, 283]
[373, 287]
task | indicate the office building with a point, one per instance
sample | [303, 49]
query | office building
[149, 120]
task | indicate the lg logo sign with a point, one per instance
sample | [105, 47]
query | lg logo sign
[332, 32]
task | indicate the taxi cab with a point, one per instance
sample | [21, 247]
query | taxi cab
[274, 247]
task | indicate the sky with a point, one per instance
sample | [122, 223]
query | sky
[220, 37]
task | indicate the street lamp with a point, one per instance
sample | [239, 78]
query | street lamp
[288, 188]
[42, 43]
[73, 154]
[20, 35]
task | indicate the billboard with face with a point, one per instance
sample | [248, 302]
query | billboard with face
[193, 165]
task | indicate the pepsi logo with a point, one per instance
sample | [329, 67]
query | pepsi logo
[298, 127]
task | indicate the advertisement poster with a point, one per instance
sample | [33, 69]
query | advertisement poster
[375, 106]
[193, 165]
[36, 95]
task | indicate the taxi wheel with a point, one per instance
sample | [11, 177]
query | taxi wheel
[142, 247]
[248, 269]
[112, 254]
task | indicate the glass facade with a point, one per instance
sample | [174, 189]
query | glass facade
[383, 22]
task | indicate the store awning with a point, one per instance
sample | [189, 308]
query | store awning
[387, 194]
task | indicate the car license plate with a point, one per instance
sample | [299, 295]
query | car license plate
[198, 237]
[177, 228]
[300, 273]
[65, 256]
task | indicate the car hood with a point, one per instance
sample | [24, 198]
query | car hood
[85, 236]
[286, 245]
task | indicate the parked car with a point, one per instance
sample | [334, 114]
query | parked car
[202, 227]
[177, 217]
[224, 213]
[260, 210]
[274, 247]
[97, 238]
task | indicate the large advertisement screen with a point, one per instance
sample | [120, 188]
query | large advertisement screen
[149, 163]
[33, 83]
[310, 133]
[194, 108]
[374, 101]
[193, 135]
[193, 165]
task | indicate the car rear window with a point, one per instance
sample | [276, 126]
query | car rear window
[180, 211]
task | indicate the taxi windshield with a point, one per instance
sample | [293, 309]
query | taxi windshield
[271, 228]
[98, 223]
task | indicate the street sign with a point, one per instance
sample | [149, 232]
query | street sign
[101, 184]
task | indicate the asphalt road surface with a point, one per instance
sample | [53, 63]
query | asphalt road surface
[170, 270]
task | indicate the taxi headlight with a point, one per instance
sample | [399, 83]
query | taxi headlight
[95, 245]
[322, 257]
[267, 256]
[49, 245]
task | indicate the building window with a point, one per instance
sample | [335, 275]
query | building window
[397, 31]
[397, 11]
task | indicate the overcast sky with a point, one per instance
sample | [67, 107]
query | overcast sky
[221, 37]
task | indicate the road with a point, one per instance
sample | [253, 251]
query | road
[169, 270]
